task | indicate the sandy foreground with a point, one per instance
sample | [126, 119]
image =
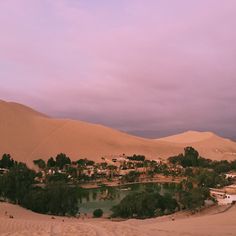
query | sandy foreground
[29, 223]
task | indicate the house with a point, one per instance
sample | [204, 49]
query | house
[51, 171]
[89, 170]
[224, 196]
[125, 172]
[231, 175]
[3, 171]
[101, 171]
[140, 169]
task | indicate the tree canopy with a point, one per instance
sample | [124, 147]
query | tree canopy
[40, 163]
[7, 162]
[144, 205]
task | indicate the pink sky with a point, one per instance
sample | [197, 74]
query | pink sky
[151, 67]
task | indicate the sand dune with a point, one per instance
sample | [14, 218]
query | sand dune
[189, 137]
[28, 135]
[28, 223]
[208, 144]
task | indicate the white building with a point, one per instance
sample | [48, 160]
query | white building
[224, 196]
[230, 175]
[3, 171]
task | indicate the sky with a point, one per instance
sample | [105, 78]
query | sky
[148, 67]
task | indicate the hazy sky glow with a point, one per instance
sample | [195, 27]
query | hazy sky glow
[150, 67]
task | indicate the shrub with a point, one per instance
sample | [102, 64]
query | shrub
[97, 213]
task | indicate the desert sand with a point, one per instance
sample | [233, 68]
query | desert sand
[29, 223]
[208, 144]
[28, 135]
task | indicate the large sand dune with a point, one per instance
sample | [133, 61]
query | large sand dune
[28, 223]
[207, 143]
[28, 135]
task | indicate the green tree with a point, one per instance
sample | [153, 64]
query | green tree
[222, 166]
[56, 199]
[72, 171]
[144, 205]
[210, 179]
[17, 182]
[112, 169]
[40, 163]
[85, 162]
[36, 199]
[7, 162]
[189, 158]
[62, 199]
[57, 177]
[132, 176]
[194, 198]
[51, 162]
[62, 160]
[136, 157]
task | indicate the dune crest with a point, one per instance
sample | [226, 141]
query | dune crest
[28, 135]
[189, 137]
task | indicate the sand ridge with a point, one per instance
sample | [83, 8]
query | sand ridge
[208, 144]
[28, 135]
[189, 137]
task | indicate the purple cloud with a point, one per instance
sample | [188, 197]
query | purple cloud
[147, 67]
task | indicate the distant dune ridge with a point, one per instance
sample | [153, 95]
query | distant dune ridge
[208, 144]
[27, 135]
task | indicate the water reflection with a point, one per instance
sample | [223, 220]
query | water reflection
[106, 197]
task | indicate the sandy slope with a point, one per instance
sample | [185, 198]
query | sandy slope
[208, 144]
[28, 223]
[189, 137]
[29, 135]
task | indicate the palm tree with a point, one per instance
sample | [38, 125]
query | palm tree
[112, 170]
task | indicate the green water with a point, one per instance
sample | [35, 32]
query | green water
[107, 197]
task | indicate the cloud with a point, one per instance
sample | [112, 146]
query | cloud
[148, 67]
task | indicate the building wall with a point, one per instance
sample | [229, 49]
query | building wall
[223, 198]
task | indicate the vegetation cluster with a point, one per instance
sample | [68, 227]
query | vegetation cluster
[53, 188]
[18, 186]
